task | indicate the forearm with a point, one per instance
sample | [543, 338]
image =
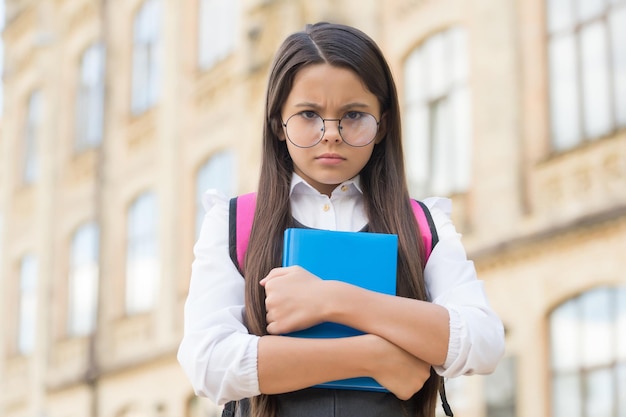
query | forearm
[421, 328]
[289, 363]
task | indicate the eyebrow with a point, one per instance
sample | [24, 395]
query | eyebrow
[345, 107]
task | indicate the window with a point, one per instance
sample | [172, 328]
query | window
[90, 99]
[587, 69]
[146, 56]
[500, 389]
[218, 172]
[27, 316]
[142, 266]
[83, 281]
[437, 128]
[218, 27]
[588, 354]
[33, 121]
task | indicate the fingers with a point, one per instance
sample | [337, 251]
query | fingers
[275, 273]
[269, 304]
[271, 329]
[289, 303]
[273, 326]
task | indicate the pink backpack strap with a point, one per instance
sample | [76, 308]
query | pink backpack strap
[426, 225]
[241, 215]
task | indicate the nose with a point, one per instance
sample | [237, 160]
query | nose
[332, 131]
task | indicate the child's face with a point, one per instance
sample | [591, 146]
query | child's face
[331, 92]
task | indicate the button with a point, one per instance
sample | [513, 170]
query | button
[326, 207]
[344, 188]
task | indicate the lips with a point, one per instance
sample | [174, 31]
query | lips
[331, 156]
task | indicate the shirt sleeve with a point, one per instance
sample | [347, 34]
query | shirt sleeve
[217, 353]
[476, 333]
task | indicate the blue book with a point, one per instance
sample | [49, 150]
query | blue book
[368, 260]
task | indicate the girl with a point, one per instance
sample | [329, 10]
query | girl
[332, 159]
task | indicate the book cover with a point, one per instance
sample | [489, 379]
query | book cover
[368, 260]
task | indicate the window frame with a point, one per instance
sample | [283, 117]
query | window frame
[564, 133]
[27, 306]
[89, 125]
[142, 254]
[574, 318]
[429, 92]
[146, 57]
[224, 161]
[218, 27]
[83, 265]
[30, 167]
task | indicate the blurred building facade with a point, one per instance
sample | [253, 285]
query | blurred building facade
[118, 114]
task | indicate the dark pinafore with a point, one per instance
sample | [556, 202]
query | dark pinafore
[318, 402]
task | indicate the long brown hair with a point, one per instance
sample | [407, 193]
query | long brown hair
[383, 178]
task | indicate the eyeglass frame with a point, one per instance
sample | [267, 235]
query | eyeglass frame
[284, 125]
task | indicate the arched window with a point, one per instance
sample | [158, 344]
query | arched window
[437, 120]
[83, 281]
[588, 354]
[220, 173]
[146, 56]
[90, 99]
[587, 69]
[142, 263]
[27, 322]
[218, 25]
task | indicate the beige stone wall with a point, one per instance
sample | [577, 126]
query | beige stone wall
[529, 279]
[540, 227]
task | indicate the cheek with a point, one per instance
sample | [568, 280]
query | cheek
[367, 153]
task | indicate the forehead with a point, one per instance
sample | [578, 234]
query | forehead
[329, 86]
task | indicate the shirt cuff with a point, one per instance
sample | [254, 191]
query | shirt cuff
[458, 333]
[242, 381]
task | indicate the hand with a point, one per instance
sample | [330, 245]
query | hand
[397, 370]
[293, 299]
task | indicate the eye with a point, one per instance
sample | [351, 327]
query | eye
[353, 115]
[308, 115]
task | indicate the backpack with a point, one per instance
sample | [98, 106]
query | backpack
[241, 216]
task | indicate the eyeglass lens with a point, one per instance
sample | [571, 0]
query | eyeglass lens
[306, 129]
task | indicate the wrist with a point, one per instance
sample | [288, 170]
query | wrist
[372, 348]
[335, 301]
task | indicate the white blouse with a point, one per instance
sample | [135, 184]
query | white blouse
[218, 354]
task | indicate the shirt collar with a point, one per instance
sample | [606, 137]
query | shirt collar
[300, 186]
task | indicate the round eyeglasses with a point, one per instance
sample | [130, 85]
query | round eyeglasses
[307, 128]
